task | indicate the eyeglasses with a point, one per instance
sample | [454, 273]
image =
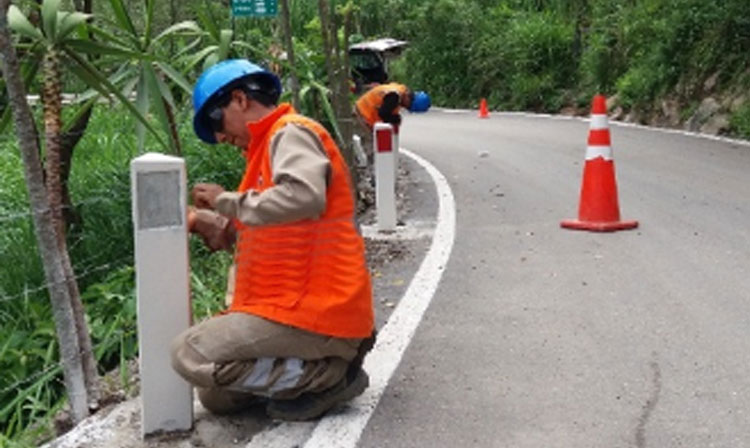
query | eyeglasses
[215, 113]
[216, 119]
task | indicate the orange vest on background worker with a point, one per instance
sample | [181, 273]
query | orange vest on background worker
[309, 274]
[369, 103]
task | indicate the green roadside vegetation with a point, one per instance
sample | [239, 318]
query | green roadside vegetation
[101, 246]
[661, 59]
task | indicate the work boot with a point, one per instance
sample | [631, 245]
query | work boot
[224, 402]
[364, 348]
[312, 405]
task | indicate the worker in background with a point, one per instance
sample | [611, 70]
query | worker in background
[301, 317]
[383, 103]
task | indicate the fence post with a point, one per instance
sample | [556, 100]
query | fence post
[162, 285]
[385, 179]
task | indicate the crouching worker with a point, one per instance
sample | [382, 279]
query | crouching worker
[301, 316]
[383, 103]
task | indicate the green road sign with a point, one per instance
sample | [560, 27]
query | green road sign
[254, 8]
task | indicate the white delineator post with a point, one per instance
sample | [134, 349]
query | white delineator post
[396, 131]
[385, 176]
[158, 185]
[359, 152]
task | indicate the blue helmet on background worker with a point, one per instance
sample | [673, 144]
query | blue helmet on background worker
[420, 103]
[220, 79]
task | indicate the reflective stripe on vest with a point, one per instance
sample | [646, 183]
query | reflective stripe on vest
[369, 103]
[310, 274]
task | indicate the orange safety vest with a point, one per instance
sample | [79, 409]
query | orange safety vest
[369, 103]
[309, 274]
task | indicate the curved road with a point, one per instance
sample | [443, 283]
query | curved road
[536, 336]
[543, 337]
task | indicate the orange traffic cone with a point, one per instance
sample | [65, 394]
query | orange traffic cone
[483, 113]
[598, 210]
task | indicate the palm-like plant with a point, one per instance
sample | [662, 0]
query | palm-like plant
[216, 44]
[62, 41]
[51, 41]
[141, 67]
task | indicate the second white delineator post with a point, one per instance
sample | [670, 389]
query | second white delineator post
[162, 287]
[396, 133]
[385, 175]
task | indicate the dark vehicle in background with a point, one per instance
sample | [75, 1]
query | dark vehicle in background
[369, 61]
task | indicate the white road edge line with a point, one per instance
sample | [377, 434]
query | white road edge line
[624, 124]
[343, 430]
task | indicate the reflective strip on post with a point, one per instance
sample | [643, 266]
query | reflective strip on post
[385, 180]
[159, 196]
[383, 137]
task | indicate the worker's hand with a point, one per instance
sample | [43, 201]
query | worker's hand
[214, 229]
[204, 195]
[191, 218]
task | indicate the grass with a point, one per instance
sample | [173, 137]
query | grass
[740, 121]
[101, 248]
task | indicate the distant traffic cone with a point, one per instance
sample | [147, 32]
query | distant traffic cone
[483, 112]
[598, 210]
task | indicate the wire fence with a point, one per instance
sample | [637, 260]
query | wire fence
[32, 377]
[86, 265]
[22, 220]
[100, 245]
[45, 287]
[16, 216]
[29, 379]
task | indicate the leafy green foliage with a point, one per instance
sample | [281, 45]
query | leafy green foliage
[740, 121]
[545, 54]
[142, 65]
[102, 251]
[648, 49]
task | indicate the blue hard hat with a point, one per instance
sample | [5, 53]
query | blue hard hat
[217, 80]
[420, 103]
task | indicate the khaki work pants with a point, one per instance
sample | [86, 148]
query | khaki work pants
[234, 358]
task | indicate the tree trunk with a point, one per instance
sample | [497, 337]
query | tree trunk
[346, 114]
[325, 33]
[286, 27]
[52, 104]
[329, 34]
[173, 16]
[68, 142]
[173, 134]
[44, 225]
[338, 79]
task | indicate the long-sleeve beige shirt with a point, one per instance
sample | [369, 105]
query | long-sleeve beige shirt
[301, 171]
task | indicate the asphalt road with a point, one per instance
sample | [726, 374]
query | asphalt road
[544, 337]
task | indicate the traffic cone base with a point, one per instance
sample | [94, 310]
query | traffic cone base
[599, 226]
